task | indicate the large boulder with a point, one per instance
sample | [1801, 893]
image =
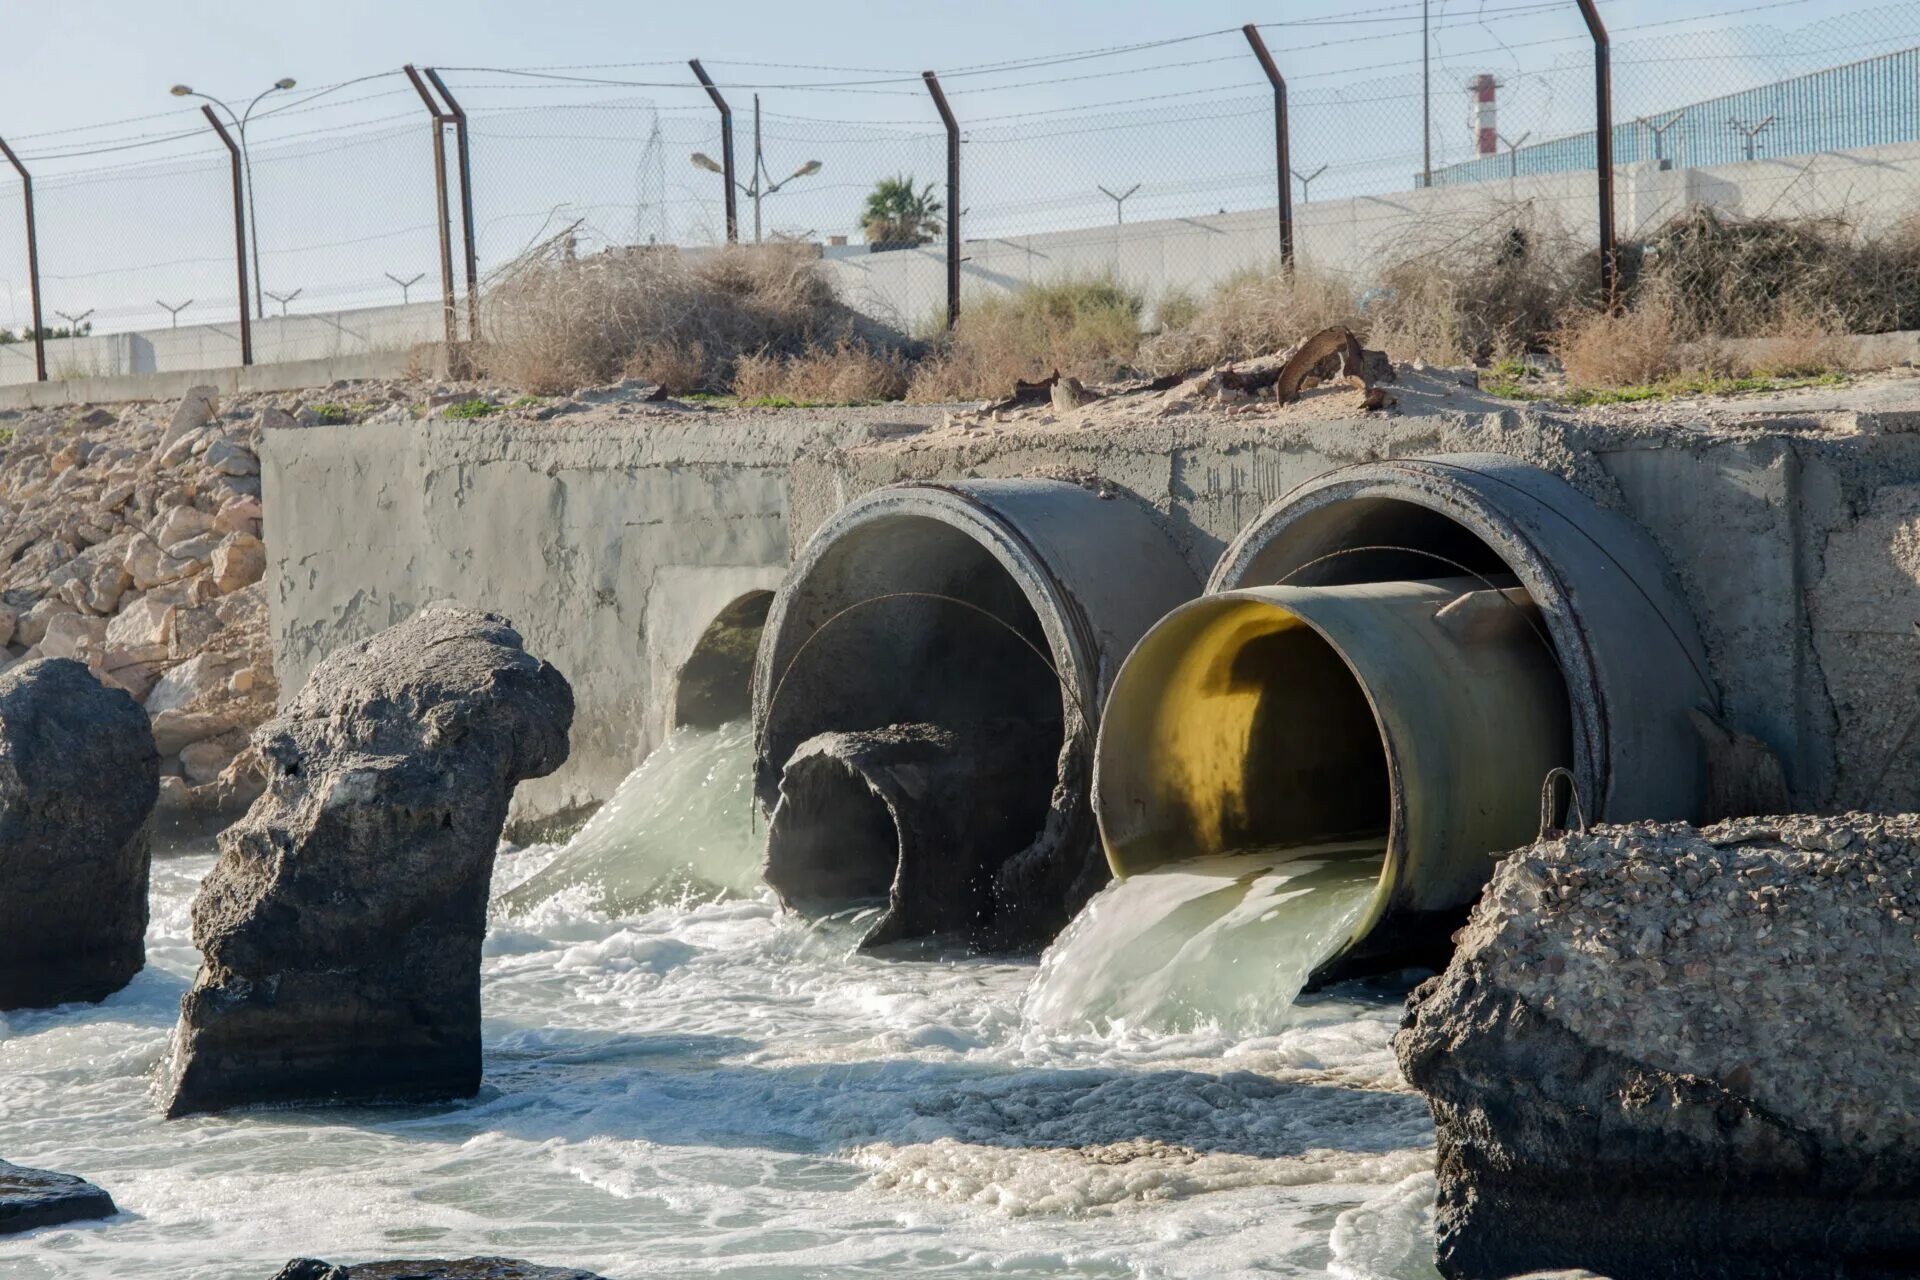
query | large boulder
[435, 1269]
[33, 1198]
[78, 778]
[341, 927]
[1662, 1052]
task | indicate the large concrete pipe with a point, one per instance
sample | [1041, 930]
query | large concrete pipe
[987, 617]
[1400, 652]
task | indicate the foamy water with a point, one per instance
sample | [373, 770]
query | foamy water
[677, 830]
[1224, 943]
[722, 1089]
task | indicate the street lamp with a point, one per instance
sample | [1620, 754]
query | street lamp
[246, 162]
[759, 187]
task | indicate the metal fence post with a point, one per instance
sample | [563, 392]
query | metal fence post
[464, 161]
[33, 264]
[953, 195]
[726, 150]
[1603, 150]
[239, 237]
[1282, 151]
[442, 217]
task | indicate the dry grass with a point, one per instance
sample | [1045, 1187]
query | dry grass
[1648, 343]
[1251, 313]
[1474, 298]
[846, 373]
[1086, 328]
[555, 323]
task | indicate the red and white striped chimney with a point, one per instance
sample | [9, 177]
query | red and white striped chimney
[1486, 130]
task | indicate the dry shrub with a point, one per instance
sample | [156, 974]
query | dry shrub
[1251, 313]
[1733, 277]
[1503, 289]
[846, 373]
[556, 323]
[1630, 347]
[1086, 328]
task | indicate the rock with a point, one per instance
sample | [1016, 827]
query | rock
[174, 731]
[151, 567]
[196, 410]
[33, 624]
[431, 1269]
[78, 779]
[75, 635]
[32, 1198]
[230, 459]
[1668, 1052]
[273, 419]
[341, 927]
[195, 628]
[106, 585]
[177, 524]
[239, 561]
[241, 515]
[9, 623]
[204, 762]
[141, 632]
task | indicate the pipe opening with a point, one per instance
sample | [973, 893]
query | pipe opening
[715, 686]
[835, 843]
[1410, 721]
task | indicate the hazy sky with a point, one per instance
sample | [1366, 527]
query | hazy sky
[131, 184]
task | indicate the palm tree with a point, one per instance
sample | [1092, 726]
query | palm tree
[897, 213]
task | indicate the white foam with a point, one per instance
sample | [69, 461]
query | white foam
[1223, 942]
[723, 1088]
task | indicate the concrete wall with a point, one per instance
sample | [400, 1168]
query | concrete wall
[1354, 237]
[612, 545]
[1350, 237]
[277, 339]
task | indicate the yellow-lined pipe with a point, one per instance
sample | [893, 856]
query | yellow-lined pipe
[1421, 715]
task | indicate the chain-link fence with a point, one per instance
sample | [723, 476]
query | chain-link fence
[1409, 130]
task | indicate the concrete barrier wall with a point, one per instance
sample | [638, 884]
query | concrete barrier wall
[1350, 238]
[613, 545]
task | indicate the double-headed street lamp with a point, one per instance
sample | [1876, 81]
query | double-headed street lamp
[760, 186]
[246, 162]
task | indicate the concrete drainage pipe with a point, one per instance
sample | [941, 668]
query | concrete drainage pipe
[926, 699]
[1398, 653]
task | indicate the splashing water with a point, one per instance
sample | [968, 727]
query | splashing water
[678, 829]
[1224, 943]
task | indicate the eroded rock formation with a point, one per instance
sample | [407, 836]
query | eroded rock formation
[434, 1269]
[1662, 1052]
[33, 1198]
[78, 778]
[341, 928]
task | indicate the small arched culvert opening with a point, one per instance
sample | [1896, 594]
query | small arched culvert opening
[943, 651]
[1398, 653]
[715, 685]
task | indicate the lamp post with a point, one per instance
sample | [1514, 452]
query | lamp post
[760, 186]
[246, 162]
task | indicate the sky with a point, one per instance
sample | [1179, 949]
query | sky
[585, 115]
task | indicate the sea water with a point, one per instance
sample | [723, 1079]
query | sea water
[1224, 942]
[718, 1088]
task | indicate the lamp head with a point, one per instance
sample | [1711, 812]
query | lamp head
[811, 166]
[284, 82]
[180, 90]
[701, 160]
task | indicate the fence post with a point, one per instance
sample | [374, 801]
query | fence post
[442, 218]
[1603, 150]
[726, 150]
[33, 264]
[953, 195]
[464, 162]
[1282, 151]
[239, 237]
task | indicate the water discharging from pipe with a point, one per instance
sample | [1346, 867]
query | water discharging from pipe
[1221, 943]
[678, 829]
